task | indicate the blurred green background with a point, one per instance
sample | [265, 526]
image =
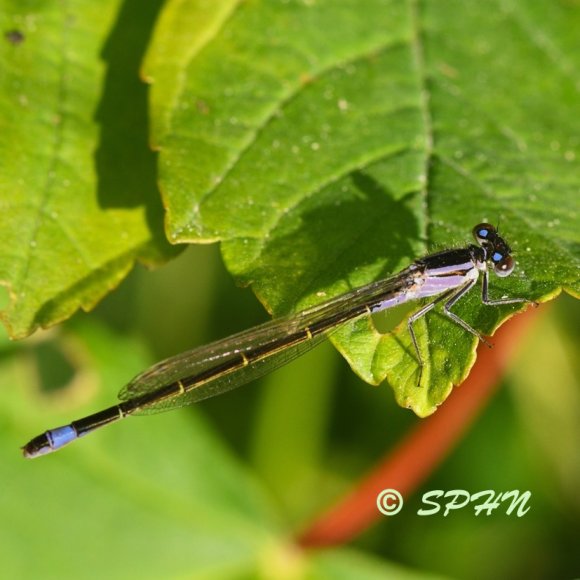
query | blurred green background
[220, 489]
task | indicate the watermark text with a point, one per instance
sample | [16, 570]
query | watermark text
[438, 501]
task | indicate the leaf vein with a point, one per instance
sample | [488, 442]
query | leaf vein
[285, 100]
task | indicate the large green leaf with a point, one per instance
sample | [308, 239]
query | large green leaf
[327, 146]
[159, 497]
[111, 501]
[77, 183]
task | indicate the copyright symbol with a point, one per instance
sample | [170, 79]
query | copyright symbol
[389, 502]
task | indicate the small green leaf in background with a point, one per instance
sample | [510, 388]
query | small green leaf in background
[103, 509]
[327, 146]
[78, 200]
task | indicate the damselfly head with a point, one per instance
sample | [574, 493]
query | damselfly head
[496, 248]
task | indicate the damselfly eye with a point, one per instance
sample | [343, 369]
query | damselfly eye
[497, 257]
[483, 232]
[504, 265]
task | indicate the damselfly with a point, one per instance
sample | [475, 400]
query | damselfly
[229, 363]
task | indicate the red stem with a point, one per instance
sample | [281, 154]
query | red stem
[418, 455]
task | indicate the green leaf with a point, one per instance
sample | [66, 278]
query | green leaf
[347, 564]
[198, 510]
[328, 146]
[78, 197]
[154, 497]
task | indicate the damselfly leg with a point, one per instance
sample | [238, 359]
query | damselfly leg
[452, 297]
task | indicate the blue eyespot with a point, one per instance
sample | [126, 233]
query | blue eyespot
[497, 257]
[483, 233]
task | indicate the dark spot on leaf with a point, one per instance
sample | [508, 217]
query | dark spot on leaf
[55, 370]
[14, 36]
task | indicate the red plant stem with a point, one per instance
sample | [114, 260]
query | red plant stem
[419, 454]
